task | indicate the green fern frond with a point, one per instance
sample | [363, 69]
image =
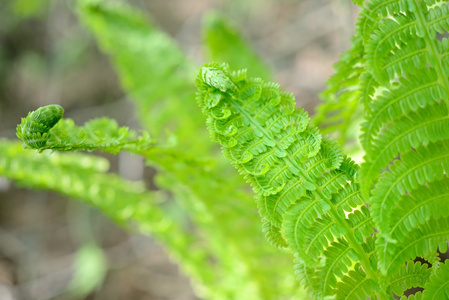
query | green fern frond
[428, 238]
[411, 275]
[356, 285]
[410, 132]
[64, 135]
[425, 202]
[406, 129]
[426, 164]
[152, 68]
[84, 177]
[438, 285]
[302, 182]
[410, 95]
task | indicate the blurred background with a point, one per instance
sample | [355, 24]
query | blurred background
[47, 56]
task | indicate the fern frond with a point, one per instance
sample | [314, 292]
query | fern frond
[411, 94]
[426, 164]
[389, 33]
[103, 134]
[356, 285]
[420, 242]
[438, 285]
[300, 180]
[412, 131]
[84, 177]
[425, 202]
[411, 275]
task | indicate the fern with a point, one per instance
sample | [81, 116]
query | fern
[308, 193]
[406, 131]
[43, 129]
[355, 232]
[304, 185]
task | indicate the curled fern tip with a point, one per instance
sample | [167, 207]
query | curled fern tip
[33, 130]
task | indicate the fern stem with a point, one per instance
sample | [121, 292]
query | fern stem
[364, 259]
[419, 15]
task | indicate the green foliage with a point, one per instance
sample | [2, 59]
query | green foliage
[33, 130]
[312, 199]
[42, 129]
[304, 184]
[155, 73]
[355, 232]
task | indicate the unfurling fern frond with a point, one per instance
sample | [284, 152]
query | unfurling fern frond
[307, 191]
[43, 129]
[34, 129]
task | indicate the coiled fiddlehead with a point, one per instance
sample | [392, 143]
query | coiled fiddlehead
[43, 129]
[34, 129]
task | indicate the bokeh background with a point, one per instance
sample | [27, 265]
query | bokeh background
[47, 56]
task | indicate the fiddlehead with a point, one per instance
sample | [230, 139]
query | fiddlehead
[34, 129]
[43, 129]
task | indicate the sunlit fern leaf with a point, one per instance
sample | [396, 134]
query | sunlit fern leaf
[417, 296]
[415, 168]
[411, 275]
[339, 258]
[417, 207]
[273, 234]
[409, 95]
[296, 226]
[302, 182]
[389, 34]
[356, 285]
[374, 11]
[307, 276]
[420, 242]
[412, 131]
[367, 88]
[438, 285]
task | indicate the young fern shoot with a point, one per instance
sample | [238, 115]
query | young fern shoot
[307, 190]
[45, 129]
